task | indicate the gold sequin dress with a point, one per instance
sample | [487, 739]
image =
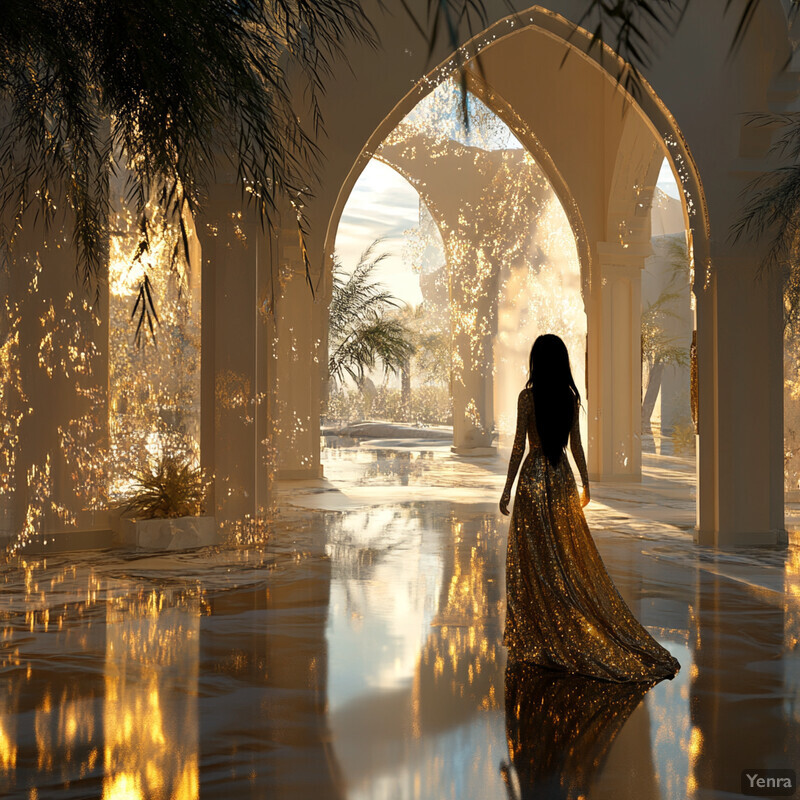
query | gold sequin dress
[563, 610]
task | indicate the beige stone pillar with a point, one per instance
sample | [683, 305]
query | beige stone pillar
[297, 356]
[235, 439]
[594, 352]
[473, 325]
[615, 384]
[54, 398]
[740, 377]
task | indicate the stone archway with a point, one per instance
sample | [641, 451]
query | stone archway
[464, 187]
[578, 113]
[610, 262]
[694, 100]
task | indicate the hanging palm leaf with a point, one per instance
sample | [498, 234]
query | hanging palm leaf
[362, 334]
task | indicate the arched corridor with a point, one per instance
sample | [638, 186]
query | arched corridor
[327, 620]
[265, 297]
[612, 238]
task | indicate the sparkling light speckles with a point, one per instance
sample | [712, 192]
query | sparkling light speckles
[507, 222]
[13, 401]
[48, 348]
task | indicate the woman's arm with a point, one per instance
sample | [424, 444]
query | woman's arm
[577, 453]
[518, 450]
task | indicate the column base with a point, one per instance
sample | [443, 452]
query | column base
[473, 451]
[723, 540]
[311, 474]
[68, 541]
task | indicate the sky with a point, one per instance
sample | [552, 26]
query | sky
[382, 205]
[666, 181]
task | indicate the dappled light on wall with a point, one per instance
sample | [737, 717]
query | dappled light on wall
[51, 400]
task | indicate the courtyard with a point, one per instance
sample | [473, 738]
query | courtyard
[270, 277]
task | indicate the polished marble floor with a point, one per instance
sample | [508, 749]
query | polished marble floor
[356, 654]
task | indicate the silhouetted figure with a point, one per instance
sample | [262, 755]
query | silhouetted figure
[563, 610]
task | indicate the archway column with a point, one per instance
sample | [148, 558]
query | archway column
[473, 323]
[298, 357]
[615, 358]
[740, 377]
[235, 359]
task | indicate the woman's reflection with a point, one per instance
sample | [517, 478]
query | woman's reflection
[560, 728]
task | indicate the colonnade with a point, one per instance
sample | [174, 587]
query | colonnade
[264, 332]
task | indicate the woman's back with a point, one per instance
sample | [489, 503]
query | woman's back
[527, 429]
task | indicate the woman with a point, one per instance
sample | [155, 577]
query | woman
[564, 611]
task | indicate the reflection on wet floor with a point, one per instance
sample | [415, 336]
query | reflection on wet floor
[560, 729]
[357, 654]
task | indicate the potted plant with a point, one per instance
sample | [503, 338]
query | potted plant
[165, 508]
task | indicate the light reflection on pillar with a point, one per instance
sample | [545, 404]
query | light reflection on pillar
[461, 658]
[65, 729]
[672, 737]
[738, 676]
[150, 707]
[49, 731]
[8, 733]
[458, 687]
[384, 578]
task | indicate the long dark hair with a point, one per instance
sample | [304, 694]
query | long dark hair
[555, 396]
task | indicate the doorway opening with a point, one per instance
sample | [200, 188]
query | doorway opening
[455, 233]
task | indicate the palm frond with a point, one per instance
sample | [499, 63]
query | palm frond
[160, 89]
[771, 211]
[632, 29]
[169, 487]
[746, 15]
[362, 333]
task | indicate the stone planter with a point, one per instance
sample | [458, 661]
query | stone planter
[173, 533]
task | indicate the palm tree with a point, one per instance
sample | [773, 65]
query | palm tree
[431, 343]
[362, 334]
[151, 92]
